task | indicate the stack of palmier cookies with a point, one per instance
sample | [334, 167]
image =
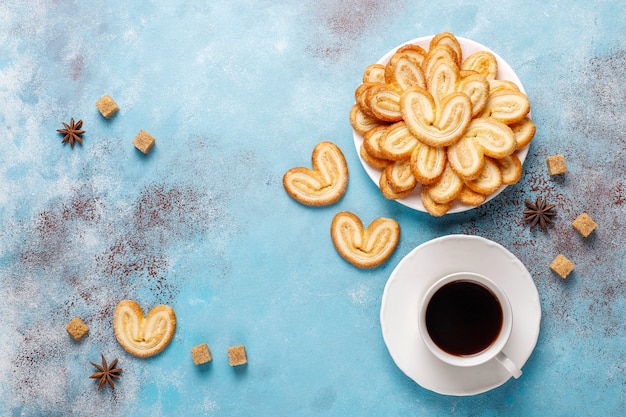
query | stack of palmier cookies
[442, 121]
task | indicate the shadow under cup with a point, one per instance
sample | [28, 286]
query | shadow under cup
[465, 319]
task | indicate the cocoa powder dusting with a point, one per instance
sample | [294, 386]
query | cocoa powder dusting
[77, 67]
[345, 22]
[617, 193]
[82, 256]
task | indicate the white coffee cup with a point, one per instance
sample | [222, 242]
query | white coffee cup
[448, 325]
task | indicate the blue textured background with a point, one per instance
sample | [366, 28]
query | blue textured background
[237, 92]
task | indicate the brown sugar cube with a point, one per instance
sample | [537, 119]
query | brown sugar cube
[107, 106]
[584, 224]
[556, 164]
[562, 266]
[237, 355]
[77, 328]
[201, 354]
[143, 141]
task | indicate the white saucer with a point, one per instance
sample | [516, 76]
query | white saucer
[505, 72]
[421, 268]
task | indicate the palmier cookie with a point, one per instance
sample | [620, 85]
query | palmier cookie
[447, 187]
[428, 163]
[489, 180]
[507, 106]
[325, 183]
[431, 206]
[364, 248]
[439, 124]
[405, 71]
[448, 39]
[484, 136]
[510, 169]
[471, 197]
[416, 52]
[383, 100]
[524, 131]
[483, 62]
[442, 79]
[372, 160]
[371, 141]
[396, 142]
[361, 122]
[387, 190]
[374, 73]
[143, 336]
[400, 177]
[476, 87]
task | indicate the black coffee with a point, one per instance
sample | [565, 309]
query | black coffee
[463, 318]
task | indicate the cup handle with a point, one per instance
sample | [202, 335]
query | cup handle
[508, 365]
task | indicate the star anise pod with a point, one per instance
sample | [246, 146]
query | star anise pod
[72, 132]
[539, 213]
[106, 373]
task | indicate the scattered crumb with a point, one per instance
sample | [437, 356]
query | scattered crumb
[584, 224]
[107, 106]
[77, 328]
[201, 354]
[143, 141]
[237, 355]
[562, 266]
[556, 164]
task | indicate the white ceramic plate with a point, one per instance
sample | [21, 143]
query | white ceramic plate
[421, 268]
[505, 72]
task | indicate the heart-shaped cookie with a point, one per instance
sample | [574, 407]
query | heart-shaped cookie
[374, 73]
[476, 87]
[448, 40]
[440, 124]
[489, 180]
[372, 160]
[447, 187]
[442, 79]
[510, 168]
[360, 96]
[371, 141]
[143, 336]
[434, 208]
[325, 183]
[415, 52]
[484, 136]
[507, 106]
[427, 163]
[437, 54]
[524, 131]
[405, 71]
[397, 143]
[361, 122]
[387, 190]
[400, 176]
[384, 102]
[482, 62]
[364, 248]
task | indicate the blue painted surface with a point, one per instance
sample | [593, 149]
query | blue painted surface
[236, 93]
